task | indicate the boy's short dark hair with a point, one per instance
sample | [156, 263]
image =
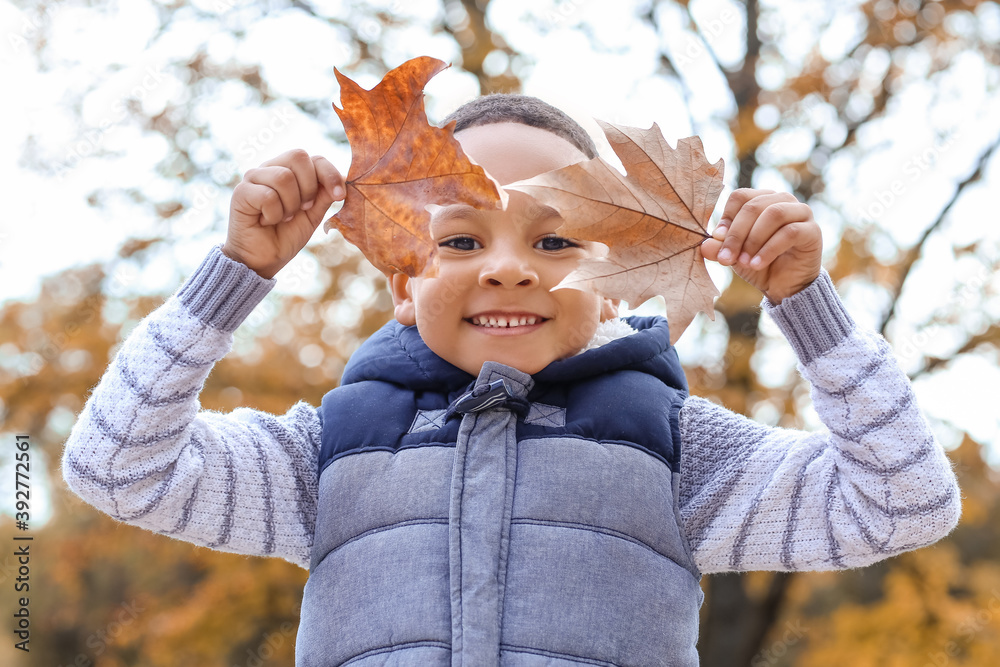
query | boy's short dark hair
[524, 109]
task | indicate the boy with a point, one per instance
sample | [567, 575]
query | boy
[509, 474]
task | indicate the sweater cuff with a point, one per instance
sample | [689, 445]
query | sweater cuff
[814, 320]
[222, 292]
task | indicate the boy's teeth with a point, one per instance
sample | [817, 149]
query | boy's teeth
[504, 321]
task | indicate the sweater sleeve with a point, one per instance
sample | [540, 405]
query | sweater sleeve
[143, 451]
[873, 484]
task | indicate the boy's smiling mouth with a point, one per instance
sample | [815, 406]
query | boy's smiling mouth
[500, 321]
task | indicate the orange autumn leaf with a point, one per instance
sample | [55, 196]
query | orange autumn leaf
[653, 220]
[400, 164]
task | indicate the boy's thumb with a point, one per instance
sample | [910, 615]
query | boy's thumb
[710, 249]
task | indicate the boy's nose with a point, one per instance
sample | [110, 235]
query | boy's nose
[508, 271]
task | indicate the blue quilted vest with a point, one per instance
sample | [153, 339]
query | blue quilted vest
[502, 520]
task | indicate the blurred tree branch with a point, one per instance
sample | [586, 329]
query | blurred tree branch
[914, 253]
[477, 40]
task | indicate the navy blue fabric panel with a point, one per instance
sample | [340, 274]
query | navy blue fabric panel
[650, 352]
[377, 415]
[448, 434]
[366, 414]
[627, 406]
[665, 365]
[674, 414]
[397, 354]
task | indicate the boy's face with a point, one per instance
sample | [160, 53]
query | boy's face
[491, 298]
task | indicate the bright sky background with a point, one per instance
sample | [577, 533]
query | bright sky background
[903, 170]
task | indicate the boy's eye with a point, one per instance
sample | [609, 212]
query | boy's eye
[555, 243]
[461, 243]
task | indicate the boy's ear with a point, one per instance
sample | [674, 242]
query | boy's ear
[402, 298]
[609, 308]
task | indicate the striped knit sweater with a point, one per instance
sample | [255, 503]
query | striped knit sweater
[752, 497]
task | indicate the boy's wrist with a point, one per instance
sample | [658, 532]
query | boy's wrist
[776, 296]
[813, 320]
[223, 291]
[265, 272]
[228, 251]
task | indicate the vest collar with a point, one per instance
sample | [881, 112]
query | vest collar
[397, 354]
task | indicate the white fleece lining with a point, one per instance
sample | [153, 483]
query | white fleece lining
[607, 331]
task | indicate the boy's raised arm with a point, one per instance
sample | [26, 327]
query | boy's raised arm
[876, 483]
[142, 450]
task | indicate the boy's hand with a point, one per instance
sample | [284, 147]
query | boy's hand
[771, 241]
[276, 208]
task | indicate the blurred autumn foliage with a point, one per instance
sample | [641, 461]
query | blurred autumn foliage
[117, 595]
[108, 594]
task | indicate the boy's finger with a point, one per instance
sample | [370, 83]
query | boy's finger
[779, 243]
[329, 178]
[710, 249]
[331, 187]
[254, 204]
[305, 173]
[733, 205]
[283, 181]
[777, 214]
[301, 164]
[743, 223]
